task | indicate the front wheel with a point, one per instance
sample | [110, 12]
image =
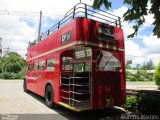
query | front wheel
[49, 96]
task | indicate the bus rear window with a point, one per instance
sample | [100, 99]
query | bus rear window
[107, 61]
[66, 64]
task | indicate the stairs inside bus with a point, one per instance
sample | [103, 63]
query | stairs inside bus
[75, 89]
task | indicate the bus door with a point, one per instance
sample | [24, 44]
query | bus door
[79, 78]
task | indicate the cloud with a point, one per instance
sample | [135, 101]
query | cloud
[19, 20]
[127, 28]
[139, 54]
[133, 50]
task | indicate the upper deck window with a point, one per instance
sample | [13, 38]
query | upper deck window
[51, 64]
[86, 53]
[83, 57]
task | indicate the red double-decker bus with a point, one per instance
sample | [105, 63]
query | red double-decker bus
[79, 62]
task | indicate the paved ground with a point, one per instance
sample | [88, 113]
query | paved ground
[13, 99]
[18, 105]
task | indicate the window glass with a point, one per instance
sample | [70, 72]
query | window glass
[66, 63]
[83, 54]
[51, 64]
[36, 66]
[80, 67]
[42, 65]
[88, 67]
[80, 54]
[30, 67]
[107, 61]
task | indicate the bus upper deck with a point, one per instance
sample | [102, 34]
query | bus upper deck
[81, 25]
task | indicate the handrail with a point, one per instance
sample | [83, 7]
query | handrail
[87, 13]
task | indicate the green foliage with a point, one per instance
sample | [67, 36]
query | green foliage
[157, 75]
[23, 72]
[132, 78]
[138, 66]
[148, 66]
[141, 75]
[145, 102]
[128, 73]
[11, 65]
[131, 102]
[148, 103]
[128, 67]
[136, 12]
[97, 4]
[7, 75]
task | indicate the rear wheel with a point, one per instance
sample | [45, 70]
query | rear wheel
[49, 96]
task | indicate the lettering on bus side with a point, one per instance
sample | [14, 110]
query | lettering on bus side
[66, 37]
[106, 34]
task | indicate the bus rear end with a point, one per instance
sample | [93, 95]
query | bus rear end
[93, 72]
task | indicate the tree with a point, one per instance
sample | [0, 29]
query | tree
[148, 66]
[11, 62]
[128, 67]
[138, 66]
[157, 75]
[137, 11]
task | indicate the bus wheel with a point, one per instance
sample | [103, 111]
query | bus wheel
[49, 96]
[25, 86]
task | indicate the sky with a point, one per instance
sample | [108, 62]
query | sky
[19, 21]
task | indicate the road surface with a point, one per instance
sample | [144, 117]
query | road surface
[18, 105]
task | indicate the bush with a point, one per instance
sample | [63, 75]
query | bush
[23, 72]
[157, 75]
[132, 78]
[8, 75]
[141, 78]
[148, 103]
[131, 103]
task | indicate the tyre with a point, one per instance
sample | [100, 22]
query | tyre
[25, 86]
[49, 96]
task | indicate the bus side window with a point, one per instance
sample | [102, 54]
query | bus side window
[36, 66]
[29, 67]
[42, 65]
[51, 64]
